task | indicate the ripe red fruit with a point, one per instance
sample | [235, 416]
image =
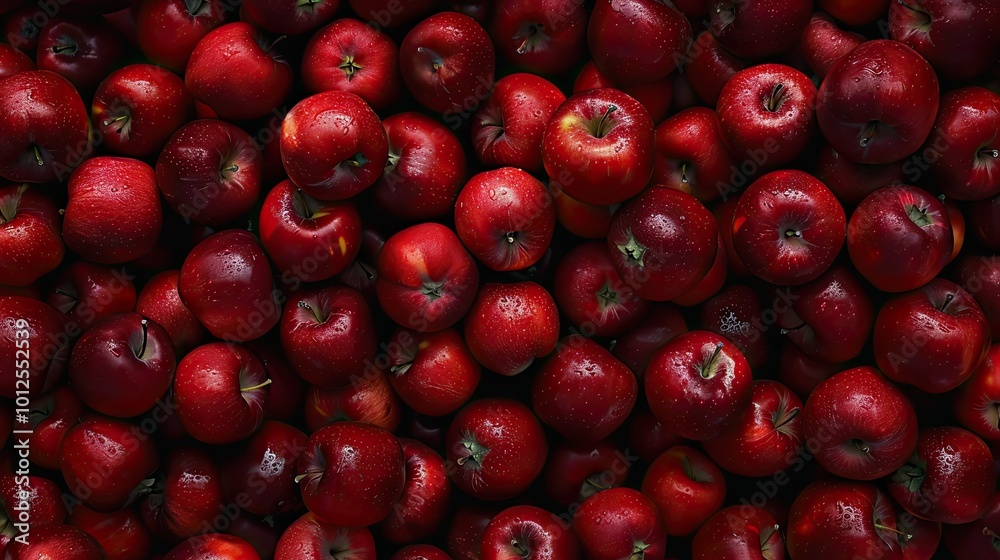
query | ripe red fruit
[528, 532]
[544, 37]
[308, 538]
[290, 18]
[637, 41]
[423, 505]
[686, 486]
[757, 29]
[977, 401]
[739, 532]
[691, 156]
[169, 30]
[509, 325]
[620, 523]
[433, 373]
[29, 234]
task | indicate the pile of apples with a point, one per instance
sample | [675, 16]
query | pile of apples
[499, 279]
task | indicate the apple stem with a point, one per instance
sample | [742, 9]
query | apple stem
[59, 49]
[711, 361]
[869, 134]
[684, 176]
[786, 417]
[905, 536]
[589, 481]
[118, 119]
[601, 132]
[305, 305]
[792, 329]
[990, 533]
[947, 301]
[38, 155]
[145, 336]
[436, 62]
[776, 97]
[511, 237]
[400, 369]
[793, 233]
[519, 548]
[358, 160]
[299, 478]
[304, 207]
[532, 31]
[991, 153]
[861, 445]
[255, 387]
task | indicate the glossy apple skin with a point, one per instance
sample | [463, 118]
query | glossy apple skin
[43, 333]
[818, 522]
[349, 55]
[351, 473]
[956, 38]
[763, 103]
[210, 172]
[788, 227]
[852, 98]
[264, 81]
[852, 182]
[138, 107]
[187, 496]
[13, 61]
[528, 532]
[579, 218]
[333, 145]
[710, 66]
[660, 261]
[123, 365]
[369, 399]
[697, 384]
[855, 12]
[291, 18]
[30, 235]
[639, 344]
[169, 30]
[710, 283]
[759, 28]
[308, 538]
[160, 302]
[544, 37]
[654, 96]
[426, 279]
[465, 531]
[121, 534]
[950, 478]
[598, 146]
[507, 128]
[582, 391]
[425, 170]
[33, 501]
[736, 313]
[226, 282]
[766, 438]
[977, 401]
[104, 462]
[863, 426]
[690, 154]
[495, 448]
[933, 338]
[423, 505]
[830, 319]
[687, 488]
[220, 390]
[53, 414]
[308, 240]
[509, 325]
[637, 41]
[81, 50]
[433, 373]
[977, 539]
[448, 63]
[967, 168]
[899, 238]
[64, 542]
[983, 220]
[420, 552]
[577, 471]
[592, 295]
[823, 43]
[113, 214]
[620, 523]
[213, 546]
[505, 218]
[261, 476]
[739, 532]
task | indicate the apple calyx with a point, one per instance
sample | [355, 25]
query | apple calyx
[533, 36]
[432, 290]
[778, 96]
[437, 63]
[633, 251]
[315, 312]
[919, 216]
[608, 297]
[255, 387]
[911, 475]
[309, 5]
[604, 125]
[476, 452]
[638, 550]
[710, 368]
[9, 204]
[995, 538]
[348, 66]
[767, 548]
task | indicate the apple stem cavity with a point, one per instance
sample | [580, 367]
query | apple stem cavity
[311, 4]
[305, 205]
[708, 369]
[532, 37]
[868, 134]
[69, 48]
[307, 474]
[792, 329]
[124, 119]
[8, 205]
[924, 21]
[987, 532]
[400, 369]
[319, 316]
[727, 13]
[255, 387]
[861, 446]
[519, 549]
[38, 155]
[684, 175]
[903, 536]
[777, 98]
[991, 153]
[195, 7]
[145, 337]
[357, 160]
[604, 126]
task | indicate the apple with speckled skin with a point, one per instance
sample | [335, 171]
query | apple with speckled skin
[509, 325]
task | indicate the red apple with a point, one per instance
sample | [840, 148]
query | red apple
[210, 172]
[528, 532]
[495, 449]
[235, 70]
[575, 472]
[426, 279]
[899, 238]
[858, 425]
[30, 502]
[788, 228]
[308, 240]
[213, 546]
[957, 38]
[349, 55]
[966, 163]
[654, 96]
[950, 478]
[852, 182]
[639, 344]
[686, 486]
[768, 436]
[351, 474]
[698, 384]
[186, 498]
[878, 117]
[448, 62]
[823, 43]
[932, 338]
[121, 534]
[81, 50]
[433, 373]
[291, 18]
[758, 29]
[64, 542]
[505, 218]
[13, 61]
[598, 147]
[978, 539]
[35, 340]
[977, 401]
[425, 169]
[690, 154]
[739, 532]
[423, 505]
[52, 414]
[620, 523]
[663, 243]
[261, 476]
[637, 41]
[169, 30]
[220, 391]
[369, 399]
[709, 66]
[543, 37]
[308, 538]
[29, 235]
[333, 145]
[160, 302]
[509, 325]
